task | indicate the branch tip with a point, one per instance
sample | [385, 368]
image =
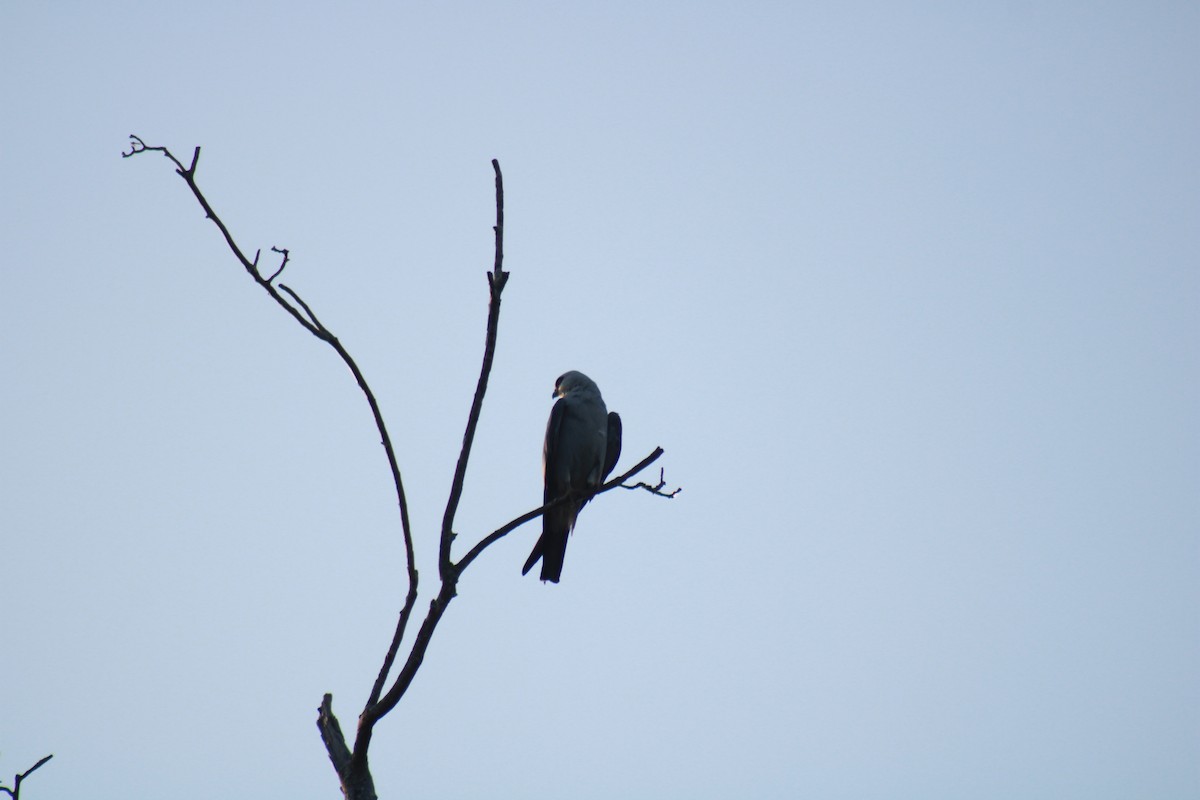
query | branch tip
[656, 489]
[331, 735]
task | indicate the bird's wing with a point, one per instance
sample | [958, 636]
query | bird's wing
[612, 452]
[555, 523]
[554, 460]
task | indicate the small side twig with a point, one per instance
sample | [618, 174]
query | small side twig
[136, 145]
[282, 264]
[15, 791]
[283, 287]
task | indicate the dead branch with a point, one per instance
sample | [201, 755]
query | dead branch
[351, 763]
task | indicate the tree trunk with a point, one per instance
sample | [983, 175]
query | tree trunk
[358, 785]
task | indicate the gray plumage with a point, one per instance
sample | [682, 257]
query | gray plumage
[583, 443]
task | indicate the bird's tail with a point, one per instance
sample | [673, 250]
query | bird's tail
[534, 556]
[551, 546]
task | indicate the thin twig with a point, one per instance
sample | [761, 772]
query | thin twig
[282, 264]
[136, 145]
[657, 488]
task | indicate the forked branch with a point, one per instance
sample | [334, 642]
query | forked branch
[351, 763]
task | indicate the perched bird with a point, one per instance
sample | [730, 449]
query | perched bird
[583, 443]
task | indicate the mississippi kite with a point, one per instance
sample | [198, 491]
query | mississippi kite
[583, 443]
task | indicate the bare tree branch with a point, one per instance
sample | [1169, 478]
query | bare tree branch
[311, 324]
[416, 655]
[377, 707]
[390, 658]
[304, 315]
[356, 783]
[497, 278]
[137, 146]
[15, 791]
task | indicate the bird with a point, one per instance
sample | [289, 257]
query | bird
[583, 444]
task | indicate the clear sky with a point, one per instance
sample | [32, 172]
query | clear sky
[908, 293]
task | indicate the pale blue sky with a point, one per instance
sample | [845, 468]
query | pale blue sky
[908, 294]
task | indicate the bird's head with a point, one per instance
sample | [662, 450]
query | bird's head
[574, 382]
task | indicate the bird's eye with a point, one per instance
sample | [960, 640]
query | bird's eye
[558, 381]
